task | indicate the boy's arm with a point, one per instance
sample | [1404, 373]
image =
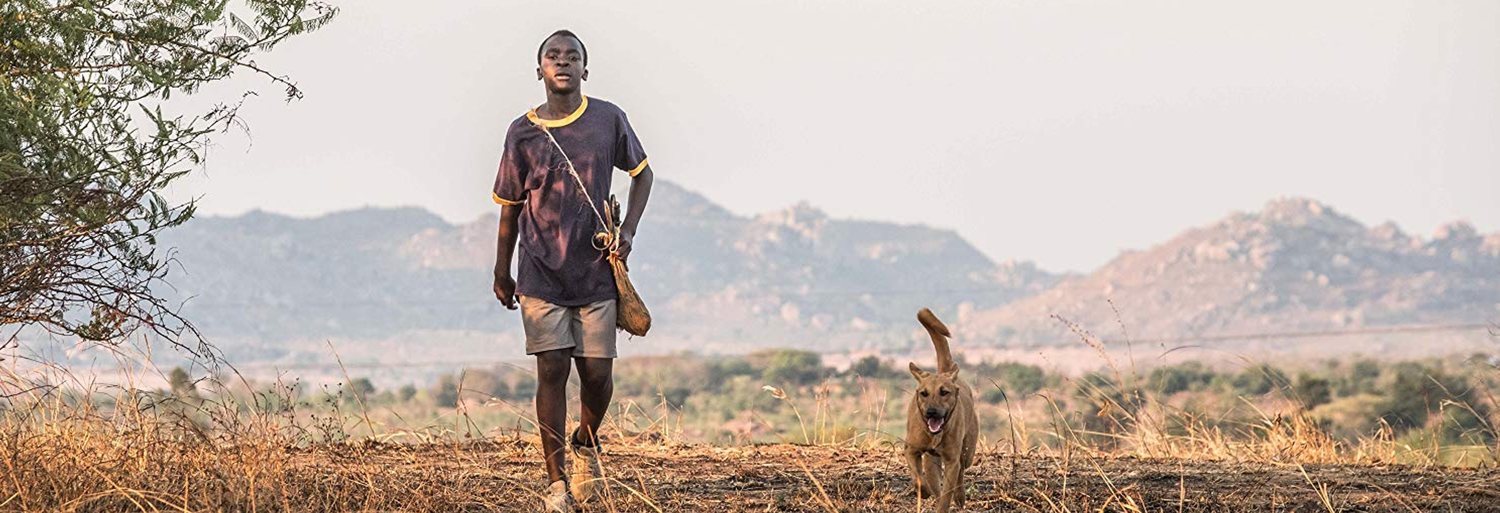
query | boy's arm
[640, 192]
[505, 285]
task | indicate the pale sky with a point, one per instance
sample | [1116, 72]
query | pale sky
[1055, 131]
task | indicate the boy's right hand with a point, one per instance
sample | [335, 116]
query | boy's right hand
[505, 290]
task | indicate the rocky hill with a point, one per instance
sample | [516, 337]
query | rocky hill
[1295, 265]
[715, 281]
[718, 282]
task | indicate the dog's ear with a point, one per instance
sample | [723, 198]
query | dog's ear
[917, 372]
[951, 375]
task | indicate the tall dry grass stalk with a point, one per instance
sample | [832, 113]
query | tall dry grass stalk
[70, 444]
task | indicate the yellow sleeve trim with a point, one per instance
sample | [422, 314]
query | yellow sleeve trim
[555, 123]
[639, 168]
[502, 201]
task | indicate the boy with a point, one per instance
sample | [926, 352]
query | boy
[566, 290]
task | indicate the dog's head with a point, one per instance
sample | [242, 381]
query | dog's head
[936, 397]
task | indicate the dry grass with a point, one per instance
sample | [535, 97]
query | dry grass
[502, 474]
[150, 452]
[233, 447]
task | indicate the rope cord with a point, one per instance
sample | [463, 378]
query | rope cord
[611, 233]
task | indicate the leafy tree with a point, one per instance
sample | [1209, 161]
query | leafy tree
[500, 389]
[1312, 391]
[486, 383]
[85, 147]
[1105, 406]
[676, 396]
[447, 391]
[1021, 379]
[1361, 378]
[1177, 378]
[524, 387]
[406, 393]
[720, 371]
[869, 366]
[1259, 380]
[361, 388]
[996, 382]
[181, 383]
[1419, 394]
[791, 366]
[1413, 394]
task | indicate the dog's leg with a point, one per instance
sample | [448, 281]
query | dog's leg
[966, 459]
[963, 491]
[953, 486]
[971, 448]
[932, 474]
[918, 478]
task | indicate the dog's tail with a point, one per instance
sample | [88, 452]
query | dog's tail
[939, 334]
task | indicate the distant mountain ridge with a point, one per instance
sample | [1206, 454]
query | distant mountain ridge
[714, 280]
[1295, 265]
[719, 282]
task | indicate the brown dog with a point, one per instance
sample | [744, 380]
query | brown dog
[941, 425]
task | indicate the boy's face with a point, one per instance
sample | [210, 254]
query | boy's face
[562, 67]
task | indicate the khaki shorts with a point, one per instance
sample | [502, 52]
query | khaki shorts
[589, 330]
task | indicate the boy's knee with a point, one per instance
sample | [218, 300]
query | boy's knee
[597, 381]
[596, 378]
[552, 366]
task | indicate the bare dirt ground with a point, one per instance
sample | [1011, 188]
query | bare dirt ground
[505, 476]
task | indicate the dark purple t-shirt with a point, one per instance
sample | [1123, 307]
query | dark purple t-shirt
[557, 261]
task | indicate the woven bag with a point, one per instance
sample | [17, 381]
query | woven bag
[631, 313]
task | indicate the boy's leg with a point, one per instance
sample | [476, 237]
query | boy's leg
[550, 337]
[552, 369]
[596, 386]
[594, 355]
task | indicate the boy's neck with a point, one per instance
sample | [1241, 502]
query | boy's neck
[560, 105]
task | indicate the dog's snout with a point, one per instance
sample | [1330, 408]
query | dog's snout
[933, 412]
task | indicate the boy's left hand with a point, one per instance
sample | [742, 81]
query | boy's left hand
[623, 246]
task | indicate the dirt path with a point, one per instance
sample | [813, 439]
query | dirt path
[504, 477]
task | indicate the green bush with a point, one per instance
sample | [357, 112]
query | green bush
[992, 395]
[523, 387]
[1020, 379]
[870, 367]
[1312, 391]
[1179, 378]
[1362, 378]
[1413, 394]
[361, 389]
[1259, 380]
[721, 371]
[786, 367]
[181, 383]
[446, 395]
[1105, 406]
[1417, 392]
[676, 396]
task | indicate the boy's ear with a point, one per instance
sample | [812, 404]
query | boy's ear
[585, 74]
[538, 72]
[917, 372]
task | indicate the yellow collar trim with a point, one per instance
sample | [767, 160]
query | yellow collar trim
[555, 123]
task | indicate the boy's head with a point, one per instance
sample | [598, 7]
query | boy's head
[562, 62]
